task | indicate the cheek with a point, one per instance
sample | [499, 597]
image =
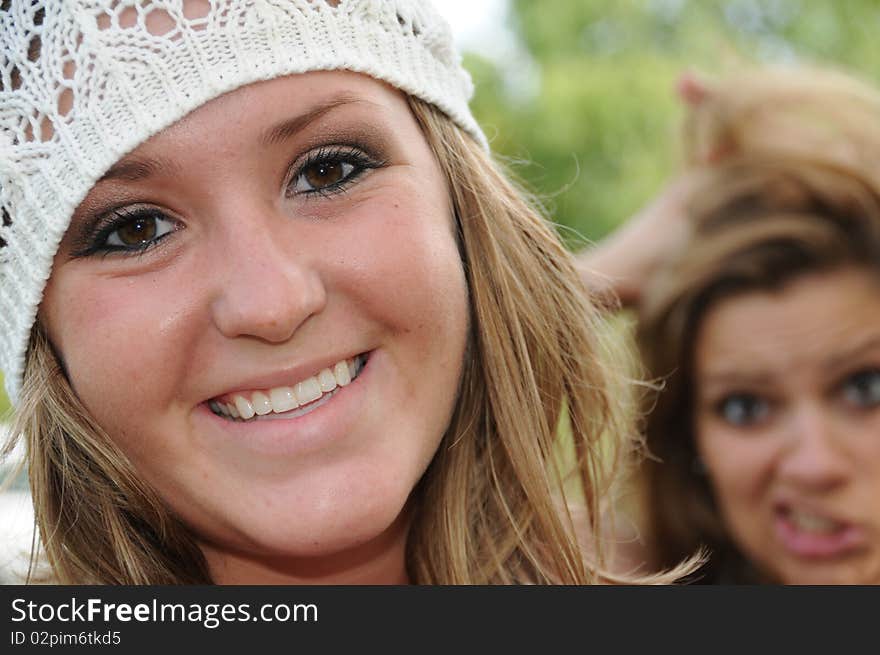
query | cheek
[114, 340]
[408, 269]
[736, 465]
[865, 469]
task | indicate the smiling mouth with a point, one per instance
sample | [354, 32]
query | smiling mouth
[289, 402]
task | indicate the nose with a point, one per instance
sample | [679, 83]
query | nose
[266, 286]
[814, 456]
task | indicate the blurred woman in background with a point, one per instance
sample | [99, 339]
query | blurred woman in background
[756, 280]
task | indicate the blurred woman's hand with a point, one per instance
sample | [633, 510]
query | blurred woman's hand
[618, 267]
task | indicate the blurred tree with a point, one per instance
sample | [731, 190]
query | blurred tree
[590, 101]
[4, 401]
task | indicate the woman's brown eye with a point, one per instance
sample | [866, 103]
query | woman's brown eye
[324, 174]
[138, 231]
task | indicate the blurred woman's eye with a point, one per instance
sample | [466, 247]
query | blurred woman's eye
[742, 409]
[329, 170]
[130, 230]
[862, 389]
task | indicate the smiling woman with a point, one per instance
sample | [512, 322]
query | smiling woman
[273, 315]
[293, 309]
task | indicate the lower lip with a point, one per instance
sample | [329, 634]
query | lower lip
[328, 422]
[817, 545]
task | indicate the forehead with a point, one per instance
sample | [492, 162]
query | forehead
[810, 324]
[300, 96]
[250, 123]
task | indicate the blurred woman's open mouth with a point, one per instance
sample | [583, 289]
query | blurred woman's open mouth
[808, 533]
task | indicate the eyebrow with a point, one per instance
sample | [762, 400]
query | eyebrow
[725, 378]
[843, 360]
[136, 169]
[287, 128]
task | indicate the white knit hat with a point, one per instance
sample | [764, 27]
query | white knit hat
[86, 81]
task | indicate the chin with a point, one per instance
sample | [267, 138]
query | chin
[828, 574]
[321, 531]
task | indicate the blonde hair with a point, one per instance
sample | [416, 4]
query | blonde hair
[534, 434]
[792, 188]
[812, 114]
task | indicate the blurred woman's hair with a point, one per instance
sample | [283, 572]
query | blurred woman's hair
[792, 187]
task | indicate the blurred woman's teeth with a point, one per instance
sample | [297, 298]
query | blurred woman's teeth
[283, 400]
[812, 523]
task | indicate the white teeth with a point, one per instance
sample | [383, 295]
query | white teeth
[327, 380]
[308, 391]
[282, 400]
[812, 523]
[342, 374]
[260, 403]
[244, 408]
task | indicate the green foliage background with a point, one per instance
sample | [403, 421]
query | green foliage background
[593, 107]
[4, 402]
[589, 103]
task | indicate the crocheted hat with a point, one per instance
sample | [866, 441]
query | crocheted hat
[83, 82]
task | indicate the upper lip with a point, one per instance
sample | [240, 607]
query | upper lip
[285, 376]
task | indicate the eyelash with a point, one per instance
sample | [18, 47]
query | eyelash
[866, 375]
[354, 155]
[96, 245]
[860, 390]
[351, 155]
[754, 401]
